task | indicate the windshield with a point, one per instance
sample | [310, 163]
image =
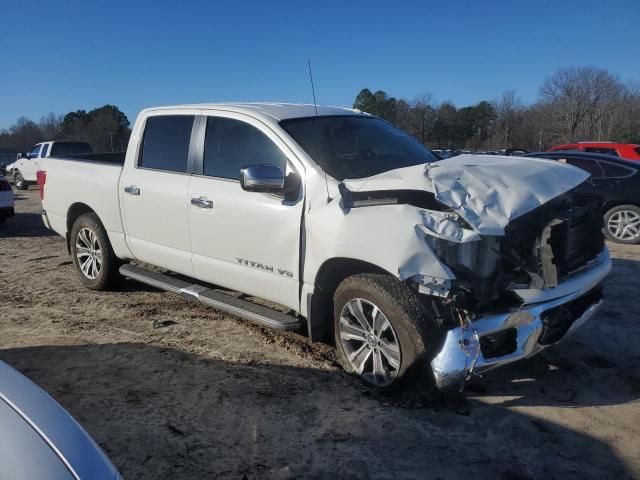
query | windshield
[356, 146]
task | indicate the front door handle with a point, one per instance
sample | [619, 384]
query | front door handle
[201, 202]
[132, 190]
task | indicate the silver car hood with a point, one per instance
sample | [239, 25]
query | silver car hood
[37, 435]
[488, 191]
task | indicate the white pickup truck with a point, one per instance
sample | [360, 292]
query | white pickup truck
[24, 169]
[406, 264]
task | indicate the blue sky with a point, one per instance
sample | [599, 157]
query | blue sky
[66, 55]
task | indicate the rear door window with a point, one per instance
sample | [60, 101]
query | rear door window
[590, 166]
[45, 149]
[165, 144]
[613, 170]
[231, 144]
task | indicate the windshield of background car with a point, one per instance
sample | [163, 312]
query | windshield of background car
[354, 146]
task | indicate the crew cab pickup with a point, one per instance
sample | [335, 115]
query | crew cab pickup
[355, 234]
[24, 169]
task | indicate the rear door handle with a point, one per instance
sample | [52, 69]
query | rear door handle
[201, 202]
[132, 190]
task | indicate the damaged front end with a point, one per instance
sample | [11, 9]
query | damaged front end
[510, 293]
[518, 293]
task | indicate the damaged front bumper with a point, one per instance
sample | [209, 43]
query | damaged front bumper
[489, 341]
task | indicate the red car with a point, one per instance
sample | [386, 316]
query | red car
[623, 150]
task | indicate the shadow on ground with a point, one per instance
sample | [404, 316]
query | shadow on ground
[162, 413]
[25, 225]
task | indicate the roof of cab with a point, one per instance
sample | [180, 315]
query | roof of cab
[274, 111]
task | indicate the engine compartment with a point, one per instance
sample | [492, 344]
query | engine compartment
[538, 250]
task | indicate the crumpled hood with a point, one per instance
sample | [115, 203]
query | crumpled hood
[488, 191]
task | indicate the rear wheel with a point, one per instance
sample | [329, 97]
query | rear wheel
[19, 181]
[383, 332]
[93, 257]
[622, 224]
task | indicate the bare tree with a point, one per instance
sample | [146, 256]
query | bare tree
[576, 100]
[51, 126]
[509, 110]
[424, 115]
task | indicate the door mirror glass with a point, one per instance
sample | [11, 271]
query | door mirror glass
[262, 178]
[21, 155]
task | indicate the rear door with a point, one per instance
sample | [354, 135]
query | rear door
[245, 241]
[619, 183]
[155, 193]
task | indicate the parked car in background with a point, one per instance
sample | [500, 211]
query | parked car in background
[403, 262]
[24, 169]
[6, 199]
[7, 156]
[618, 181]
[40, 440]
[513, 152]
[629, 151]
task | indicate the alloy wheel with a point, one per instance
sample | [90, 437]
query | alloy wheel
[89, 253]
[624, 225]
[369, 342]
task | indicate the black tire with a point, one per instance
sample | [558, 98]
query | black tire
[415, 327]
[107, 276]
[619, 212]
[19, 181]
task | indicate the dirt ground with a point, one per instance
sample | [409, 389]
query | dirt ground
[210, 396]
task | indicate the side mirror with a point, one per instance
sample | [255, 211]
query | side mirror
[22, 155]
[262, 178]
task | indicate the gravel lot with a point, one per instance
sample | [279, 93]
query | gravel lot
[210, 396]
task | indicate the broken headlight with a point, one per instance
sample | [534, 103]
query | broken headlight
[472, 259]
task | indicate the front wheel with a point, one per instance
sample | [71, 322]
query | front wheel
[19, 181]
[383, 331]
[93, 257]
[622, 224]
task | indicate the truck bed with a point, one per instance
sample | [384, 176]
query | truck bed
[90, 181]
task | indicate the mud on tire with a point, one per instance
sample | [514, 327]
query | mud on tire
[393, 336]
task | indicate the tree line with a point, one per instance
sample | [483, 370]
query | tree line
[106, 129]
[574, 104]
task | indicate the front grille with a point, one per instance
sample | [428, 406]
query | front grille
[553, 240]
[577, 239]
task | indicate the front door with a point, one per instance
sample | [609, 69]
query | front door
[29, 166]
[154, 194]
[245, 241]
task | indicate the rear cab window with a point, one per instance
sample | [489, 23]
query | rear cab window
[70, 148]
[165, 143]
